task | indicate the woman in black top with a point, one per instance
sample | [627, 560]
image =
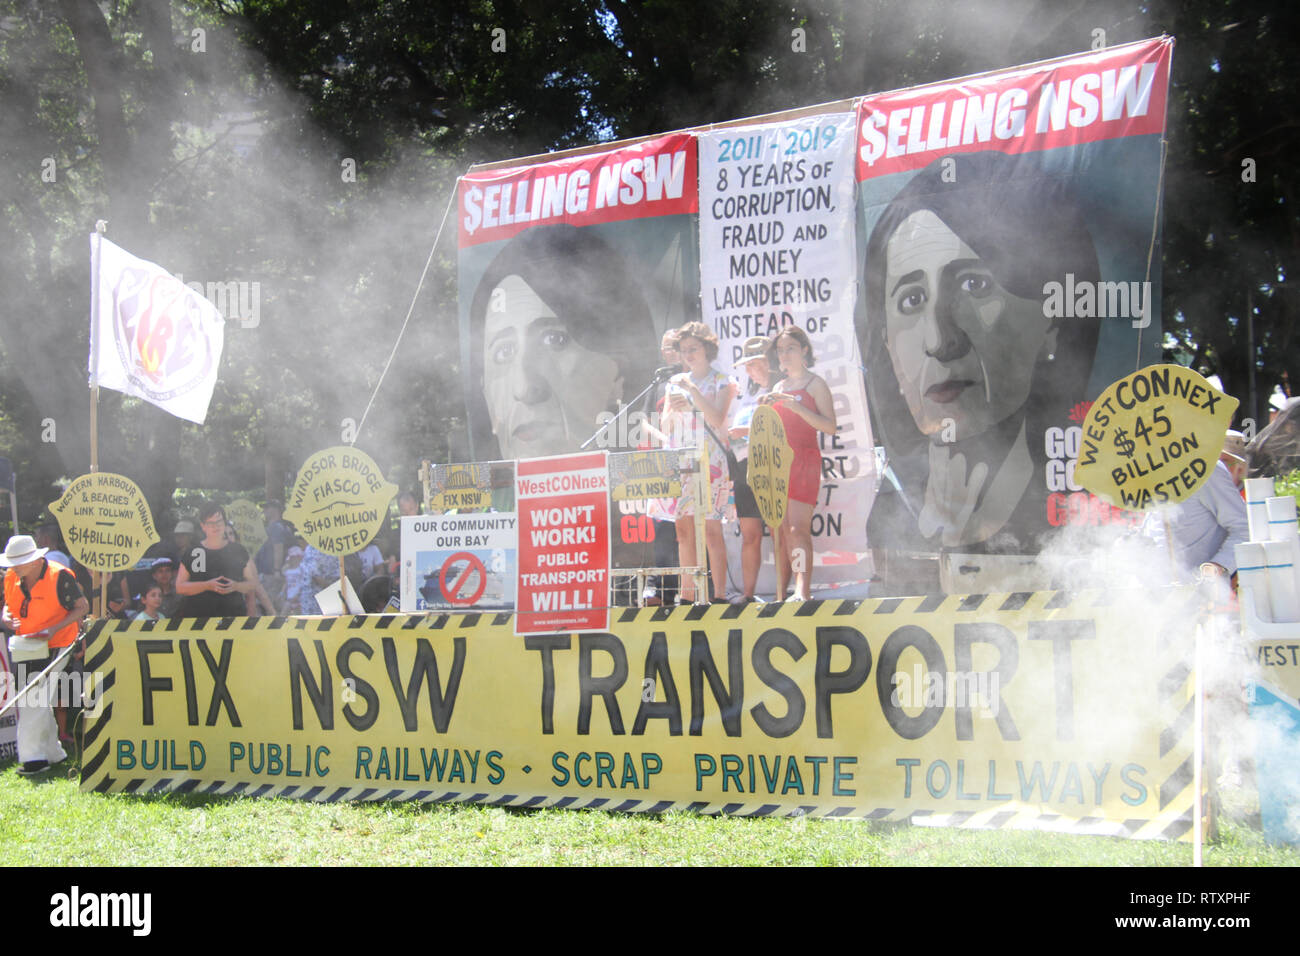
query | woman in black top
[215, 574]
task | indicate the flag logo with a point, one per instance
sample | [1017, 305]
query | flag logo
[157, 339]
[159, 334]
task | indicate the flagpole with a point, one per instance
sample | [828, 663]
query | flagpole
[343, 586]
[100, 228]
[136, 279]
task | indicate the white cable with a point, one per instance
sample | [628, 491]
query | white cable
[405, 322]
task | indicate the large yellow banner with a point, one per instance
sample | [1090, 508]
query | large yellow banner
[1070, 711]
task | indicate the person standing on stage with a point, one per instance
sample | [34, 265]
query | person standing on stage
[696, 417]
[803, 400]
[755, 359]
[662, 589]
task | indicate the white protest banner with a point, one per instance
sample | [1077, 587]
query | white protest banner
[777, 248]
[458, 561]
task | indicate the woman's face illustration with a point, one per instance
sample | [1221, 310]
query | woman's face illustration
[963, 348]
[544, 390]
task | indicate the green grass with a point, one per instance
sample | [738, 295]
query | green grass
[52, 823]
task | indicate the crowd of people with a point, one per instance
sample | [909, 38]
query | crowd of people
[700, 407]
[203, 570]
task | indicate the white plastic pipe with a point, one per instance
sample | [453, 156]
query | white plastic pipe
[1252, 576]
[1282, 527]
[1281, 517]
[1258, 491]
[1281, 581]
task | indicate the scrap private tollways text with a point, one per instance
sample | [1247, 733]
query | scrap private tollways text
[803, 775]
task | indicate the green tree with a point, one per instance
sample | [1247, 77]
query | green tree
[310, 146]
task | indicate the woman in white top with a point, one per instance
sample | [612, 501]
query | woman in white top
[698, 397]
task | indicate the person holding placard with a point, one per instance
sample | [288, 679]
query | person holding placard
[695, 416]
[1235, 457]
[1206, 528]
[755, 359]
[803, 400]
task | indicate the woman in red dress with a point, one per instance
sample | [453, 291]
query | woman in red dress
[803, 400]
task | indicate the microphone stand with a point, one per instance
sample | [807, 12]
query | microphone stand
[619, 414]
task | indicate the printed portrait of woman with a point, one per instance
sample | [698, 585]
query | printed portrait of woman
[964, 369]
[560, 332]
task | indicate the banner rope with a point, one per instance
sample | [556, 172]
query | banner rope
[409, 312]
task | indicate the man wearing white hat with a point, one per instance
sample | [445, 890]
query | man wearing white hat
[43, 604]
[1233, 455]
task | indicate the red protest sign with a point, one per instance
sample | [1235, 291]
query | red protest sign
[563, 505]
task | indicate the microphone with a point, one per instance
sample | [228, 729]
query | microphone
[664, 374]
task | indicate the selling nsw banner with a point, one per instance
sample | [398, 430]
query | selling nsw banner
[570, 272]
[1011, 227]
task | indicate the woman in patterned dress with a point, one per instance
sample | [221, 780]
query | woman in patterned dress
[695, 416]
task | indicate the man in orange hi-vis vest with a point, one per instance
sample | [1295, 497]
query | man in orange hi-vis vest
[43, 604]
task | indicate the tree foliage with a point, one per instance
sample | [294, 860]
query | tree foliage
[215, 136]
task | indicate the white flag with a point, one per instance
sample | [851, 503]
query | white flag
[151, 336]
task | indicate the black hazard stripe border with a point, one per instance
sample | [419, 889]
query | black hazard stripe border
[1173, 789]
[464, 620]
[989, 819]
[1136, 828]
[323, 793]
[99, 650]
[854, 607]
[468, 619]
